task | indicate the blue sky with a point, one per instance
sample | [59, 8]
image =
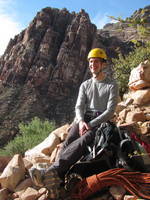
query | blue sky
[15, 15]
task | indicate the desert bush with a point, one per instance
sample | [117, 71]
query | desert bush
[30, 135]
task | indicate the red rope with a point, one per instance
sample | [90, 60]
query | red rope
[136, 183]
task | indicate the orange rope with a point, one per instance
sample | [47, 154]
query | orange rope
[136, 183]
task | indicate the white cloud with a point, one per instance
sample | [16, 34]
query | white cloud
[9, 26]
[100, 20]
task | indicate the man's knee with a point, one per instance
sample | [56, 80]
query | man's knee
[88, 137]
[72, 135]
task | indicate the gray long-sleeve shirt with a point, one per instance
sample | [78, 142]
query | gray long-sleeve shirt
[97, 95]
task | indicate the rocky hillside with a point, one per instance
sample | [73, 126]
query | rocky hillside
[126, 32]
[43, 66]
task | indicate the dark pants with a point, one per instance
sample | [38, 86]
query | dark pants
[74, 147]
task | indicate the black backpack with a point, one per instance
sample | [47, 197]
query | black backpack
[113, 147]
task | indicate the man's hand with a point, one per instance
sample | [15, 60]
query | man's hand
[83, 128]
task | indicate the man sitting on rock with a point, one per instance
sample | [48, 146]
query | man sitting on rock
[95, 104]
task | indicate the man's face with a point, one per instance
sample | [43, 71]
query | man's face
[95, 65]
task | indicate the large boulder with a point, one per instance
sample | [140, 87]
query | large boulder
[48, 145]
[46, 151]
[140, 76]
[13, 173]
[141, 97]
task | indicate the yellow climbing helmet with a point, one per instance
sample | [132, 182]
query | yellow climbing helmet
[97, 53]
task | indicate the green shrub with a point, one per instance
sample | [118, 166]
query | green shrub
[31, 134]
[124, 65]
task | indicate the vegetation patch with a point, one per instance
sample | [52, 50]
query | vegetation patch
[30, 135]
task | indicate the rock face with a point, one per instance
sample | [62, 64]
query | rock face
[124, 32]
[43, 67]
